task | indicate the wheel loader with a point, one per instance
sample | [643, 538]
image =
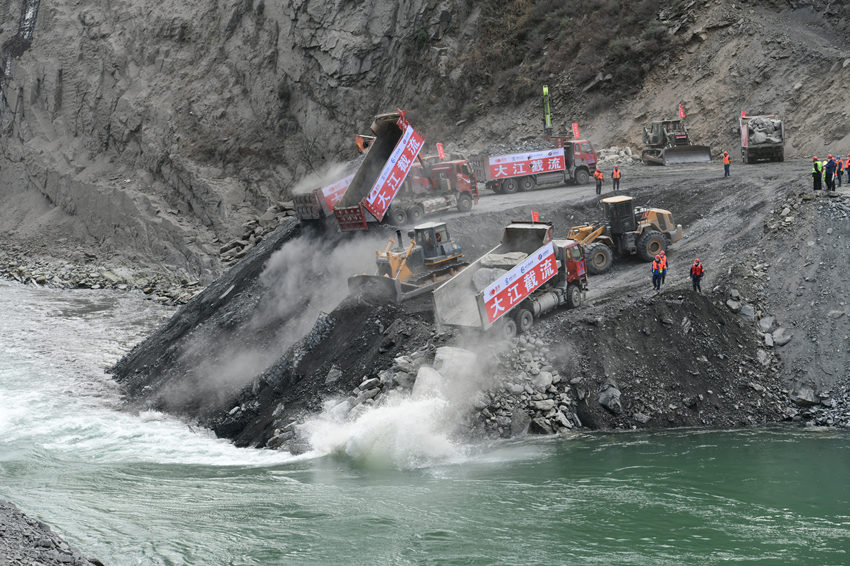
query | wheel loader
[430, 258]
[668, 142]
[627, 230]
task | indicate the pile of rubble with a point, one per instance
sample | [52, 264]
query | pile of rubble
[614, 155]
[764, 130]
[254, 231]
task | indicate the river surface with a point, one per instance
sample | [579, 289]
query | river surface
[148, 489]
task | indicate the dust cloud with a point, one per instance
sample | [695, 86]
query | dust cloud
[325, 176]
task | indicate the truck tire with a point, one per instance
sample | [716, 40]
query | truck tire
[524, 320]
[574, 295]
[526, 183]
[464, 202]
[582, 177]
[744, 156]
[650, 244]
[510, 186]
[398, 216]
[415, 213]
[599, 258]
[508, 328]
[780, 155]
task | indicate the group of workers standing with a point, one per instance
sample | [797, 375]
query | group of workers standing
[828, 171]
[659, 272]
[615, 179]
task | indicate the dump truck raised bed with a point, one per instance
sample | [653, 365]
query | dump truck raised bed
[762, 138]
[527, 275]
[570, 161]
[319, 203]
[668, 142]
[433, 186]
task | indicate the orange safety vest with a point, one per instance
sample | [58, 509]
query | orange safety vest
[726, 160]
[615, 174]
[656, 266]
[696, 269]
[664, 262]
[598, 174]
[839, 165]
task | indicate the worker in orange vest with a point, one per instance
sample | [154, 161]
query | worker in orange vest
[598, 176]
[697, 272]
[726, 162]
[663, 266]
[615, 179]
[656, 273]
[839, 169]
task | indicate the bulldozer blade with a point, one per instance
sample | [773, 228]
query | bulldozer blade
[687, 154]
[374, 288]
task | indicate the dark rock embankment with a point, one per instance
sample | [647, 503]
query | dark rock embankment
[25, 541]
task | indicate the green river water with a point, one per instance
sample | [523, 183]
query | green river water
[148, 489]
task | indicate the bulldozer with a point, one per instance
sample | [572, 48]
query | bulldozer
[404, 273]
[627, 230]
[668, 142]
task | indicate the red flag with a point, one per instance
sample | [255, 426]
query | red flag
[440, 151]
[681, 112]
[575, 130]
[534, 216]
[743, 113]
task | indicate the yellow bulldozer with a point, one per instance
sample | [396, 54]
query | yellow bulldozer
[627, 230]
[404, 273]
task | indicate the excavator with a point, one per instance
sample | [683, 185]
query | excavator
[404, 273]
[627, 230]
[668, 142]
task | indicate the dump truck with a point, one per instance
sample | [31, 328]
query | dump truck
[404, 273]
[527, 275]
[668, 142]
[569, 161]
[626, 230]
[434, 185]
[318, 204]
[762, 138]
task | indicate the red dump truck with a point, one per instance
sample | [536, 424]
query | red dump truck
[569, 161]
[527, 275]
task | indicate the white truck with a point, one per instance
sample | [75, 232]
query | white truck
[527, 275]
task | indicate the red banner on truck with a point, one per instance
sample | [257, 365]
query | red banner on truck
[521, 164]
[394, 172]
[332, 193]
[511, 288]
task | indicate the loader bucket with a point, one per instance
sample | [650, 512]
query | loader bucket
[687, 154]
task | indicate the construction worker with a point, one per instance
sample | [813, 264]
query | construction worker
[829, 173]
[839, 169]
[817, 171]
[598, 176]
[663, 266]
[615, 178]
[697, 272]
[656, 273]
[726, 163]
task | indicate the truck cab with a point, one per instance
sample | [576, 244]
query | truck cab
[581, 157]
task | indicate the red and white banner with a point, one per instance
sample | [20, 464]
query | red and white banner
[681, 112]
[334, 192]
[394, 172]
[534, 216]
[575, 130]
[520, 164]
[518, 283]
[440, 151]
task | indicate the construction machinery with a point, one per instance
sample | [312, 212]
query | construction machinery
[626, 230]
[668, 142]
[527, 275]
[407, 272]
[762, 138]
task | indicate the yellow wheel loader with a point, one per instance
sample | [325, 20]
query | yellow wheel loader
[430, 258]
[627, 230]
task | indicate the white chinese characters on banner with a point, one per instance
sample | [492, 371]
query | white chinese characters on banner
[393, 174]
[519, 164]
[518, 283]
[334, 192]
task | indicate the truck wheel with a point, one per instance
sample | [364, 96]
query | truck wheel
[508, 328]
[510, 186]
[574, 295]
[599, 258]
[526, 183]
[415, 213]
[524, 320]
[780, 156]
[650, 244]
[464, 202]
[496, 187]
[582, 177]
[398, 216]
[744, 156]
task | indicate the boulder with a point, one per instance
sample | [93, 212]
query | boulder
[610, 399]
[748, 312]
[542, 380]
[429, 382]
[781, 336]
[733, 305]
[541, 426]
[544, 405]
[766, 323]
[486, 275]
[333, 374]
[804, 395]
[370, 384]
[519, 422]
[641, 418]
[768, 340]
[455, 363]
[562, 420]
